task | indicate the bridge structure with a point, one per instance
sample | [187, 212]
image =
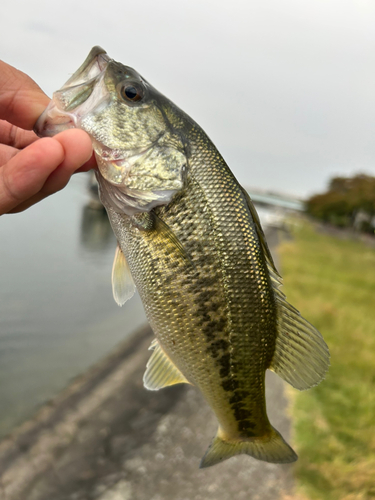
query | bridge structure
[273, 207]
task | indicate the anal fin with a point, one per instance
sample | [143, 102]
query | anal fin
[161, 371]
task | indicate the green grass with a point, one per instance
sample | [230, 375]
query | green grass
[332, 282]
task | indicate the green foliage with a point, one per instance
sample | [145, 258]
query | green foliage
[332, 282]
[346, 197]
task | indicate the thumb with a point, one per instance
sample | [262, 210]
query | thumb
[41, 169]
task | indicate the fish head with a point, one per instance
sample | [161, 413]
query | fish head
[141, 155]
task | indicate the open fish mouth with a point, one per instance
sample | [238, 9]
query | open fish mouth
[94, 64]
[85, 93]
[70, 103]
[82, 94]
[100, 98]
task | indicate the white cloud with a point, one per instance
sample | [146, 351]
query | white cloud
[285, 89]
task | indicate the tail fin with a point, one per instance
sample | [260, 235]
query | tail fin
[271, 448]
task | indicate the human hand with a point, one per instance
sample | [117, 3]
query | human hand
[31, 168]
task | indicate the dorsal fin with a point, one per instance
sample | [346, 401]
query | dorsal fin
[301, 356]
[123, 286]
[260, 232]
[161, 371]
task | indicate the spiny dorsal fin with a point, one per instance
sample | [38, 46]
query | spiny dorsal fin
[123, 286]
[260, 233]
[160, 371]
[301, 356]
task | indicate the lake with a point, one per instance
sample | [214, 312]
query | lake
[57, 313]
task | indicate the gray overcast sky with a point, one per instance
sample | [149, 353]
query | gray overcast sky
[284, 88]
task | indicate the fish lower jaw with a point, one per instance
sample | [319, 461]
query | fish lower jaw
[52, 121]
[115, 165]
[56, 129]
[114, 171]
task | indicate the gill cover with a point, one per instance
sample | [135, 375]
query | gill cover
[141, 157]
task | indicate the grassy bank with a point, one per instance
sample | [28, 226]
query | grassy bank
[332, 282]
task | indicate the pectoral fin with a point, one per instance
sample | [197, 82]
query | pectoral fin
[160, 233]
[160, 370]
[168, 236]
[123, 286]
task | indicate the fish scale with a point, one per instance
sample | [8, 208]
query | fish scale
[233, 238]
[230, 238]
[190, 240]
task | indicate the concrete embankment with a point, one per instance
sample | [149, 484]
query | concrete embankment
[107, 438]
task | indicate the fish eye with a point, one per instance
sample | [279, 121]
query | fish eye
[131, 92]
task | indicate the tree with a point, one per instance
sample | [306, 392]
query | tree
[349, 201]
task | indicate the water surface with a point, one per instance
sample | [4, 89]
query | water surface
[57, 313]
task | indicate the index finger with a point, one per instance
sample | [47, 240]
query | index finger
[22, 101]
[14, 136]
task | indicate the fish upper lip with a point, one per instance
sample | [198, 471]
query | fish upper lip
[97, 57]
[55, 119]
[103, 60]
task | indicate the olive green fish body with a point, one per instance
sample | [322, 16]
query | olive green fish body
[216, 315]
[190, 239]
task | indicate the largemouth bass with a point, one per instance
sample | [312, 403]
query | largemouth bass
[190, 240]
